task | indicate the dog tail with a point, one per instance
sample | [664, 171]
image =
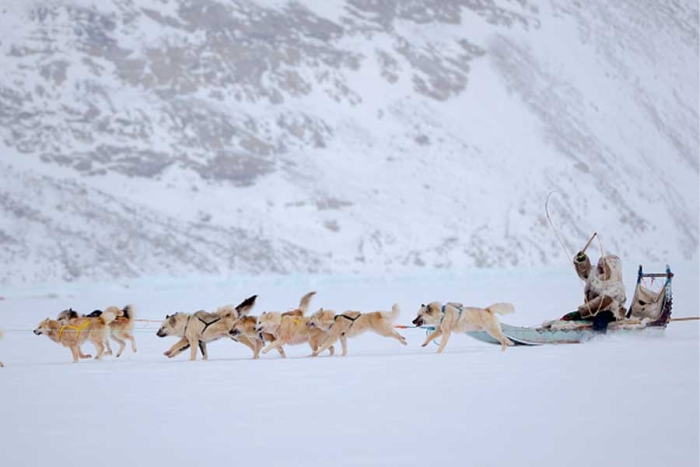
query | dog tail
[246, 305]
[501, 308]
[305, 301]
[129, 312]
[394, 313]
[108, 316]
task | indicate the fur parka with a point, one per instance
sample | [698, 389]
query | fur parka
[604, 289]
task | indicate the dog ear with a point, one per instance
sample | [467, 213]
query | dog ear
[167, 316]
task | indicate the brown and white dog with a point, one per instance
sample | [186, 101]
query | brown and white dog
[74, 332]
[353, 323]
[245, 327]
[453, 317]
[197, 329]
[291, 328]
[121, 328]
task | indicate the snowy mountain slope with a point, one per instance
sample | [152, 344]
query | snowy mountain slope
[107, 240]
[342, 136]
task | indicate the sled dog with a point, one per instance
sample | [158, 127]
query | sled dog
[74, 332]
[245, 327]
[201, 327]
[353, 323]
[290, 328]
[121, 329]
[453, 317]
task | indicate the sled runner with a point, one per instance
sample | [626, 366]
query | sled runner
[649, 313]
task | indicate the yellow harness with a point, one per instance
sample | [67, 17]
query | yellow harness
[76, 328]
[296, 321]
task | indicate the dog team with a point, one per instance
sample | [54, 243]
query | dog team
[274, 329]
[271, 330]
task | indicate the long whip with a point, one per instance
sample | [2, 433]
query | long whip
[556, 232]
[551, 224]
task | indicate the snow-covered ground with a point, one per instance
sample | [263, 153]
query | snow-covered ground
[614, 401]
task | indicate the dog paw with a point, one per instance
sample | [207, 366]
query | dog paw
[423, 345]
[167, 353]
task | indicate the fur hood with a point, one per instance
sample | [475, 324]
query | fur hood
[606, 279]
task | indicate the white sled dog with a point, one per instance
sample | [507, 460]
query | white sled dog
[453, 317]
[354, 323]
[197, 329]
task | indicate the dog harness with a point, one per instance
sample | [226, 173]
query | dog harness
[76, 328]
[351, 319]
[187, 324]
[206, 325]
[458, 308]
